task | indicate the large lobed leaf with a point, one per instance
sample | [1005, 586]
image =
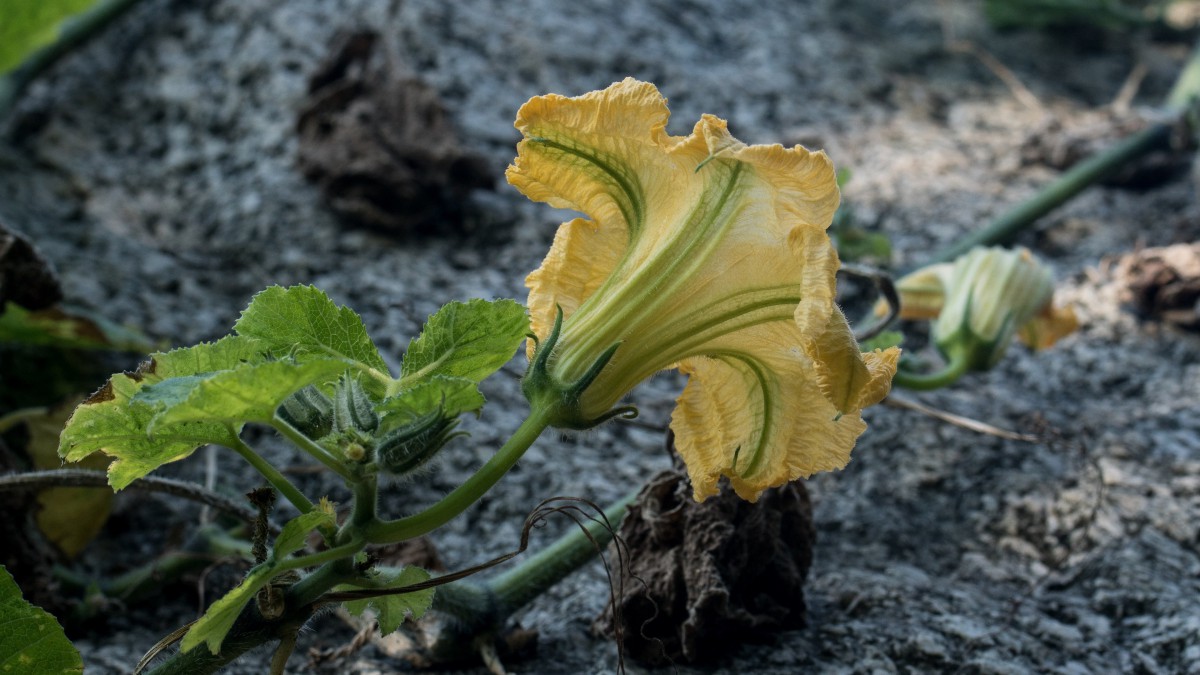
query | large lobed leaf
[452, 395]
[111, 421]
[304, 322]
[466, 339]
[31, 641]
[249, 393]
[391, 610]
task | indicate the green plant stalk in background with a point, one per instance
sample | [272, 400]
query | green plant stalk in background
[1178, 107]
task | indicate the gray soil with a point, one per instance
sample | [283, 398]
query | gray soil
[156, 168]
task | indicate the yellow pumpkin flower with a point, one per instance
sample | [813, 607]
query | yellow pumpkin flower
[699, 253]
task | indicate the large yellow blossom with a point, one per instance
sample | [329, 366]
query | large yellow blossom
[700, 253]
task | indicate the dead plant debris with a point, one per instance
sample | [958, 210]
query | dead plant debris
[1163, 283]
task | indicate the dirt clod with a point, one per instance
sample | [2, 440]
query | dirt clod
[380, 145]
[25, 277]
[704, 576]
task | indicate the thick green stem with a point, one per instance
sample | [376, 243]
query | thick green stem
[469, 492]
[366, 497]
[306, 444]
[955, 368]
[521, 584]
[273, 476]
[75, 31]
[483, 609]
[1003, 229]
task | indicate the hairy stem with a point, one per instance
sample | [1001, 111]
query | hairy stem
[381, 532]
[306, 444]
[38, 480]
[273, 476]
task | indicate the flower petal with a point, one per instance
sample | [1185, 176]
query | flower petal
[755, 414]
[585, 153]
[804, 182]
[1048, 326]
[922, 292]
[849, 379]
[580, 260]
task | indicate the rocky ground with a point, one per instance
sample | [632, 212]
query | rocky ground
[157, 168]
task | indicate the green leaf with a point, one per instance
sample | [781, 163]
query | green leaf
[291, 538]
[31, 641]
[886, 339]
[227, 353]
[70, 517]
[171, 391]
[391, 610]
[249, 393]
[31, 24]
[212, 628]
[304, 322]
[466, 339]
[75, 329]
[111, 422]
[454, 395]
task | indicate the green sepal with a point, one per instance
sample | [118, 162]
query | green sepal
[562, 399]
[212, 628]
[32, 640]
[392, 610]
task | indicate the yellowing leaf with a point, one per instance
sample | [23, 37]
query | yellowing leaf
[69, 517]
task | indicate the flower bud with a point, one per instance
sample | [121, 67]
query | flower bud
[353, 410]
[991, 293]
[309, 411]
[407, 448]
